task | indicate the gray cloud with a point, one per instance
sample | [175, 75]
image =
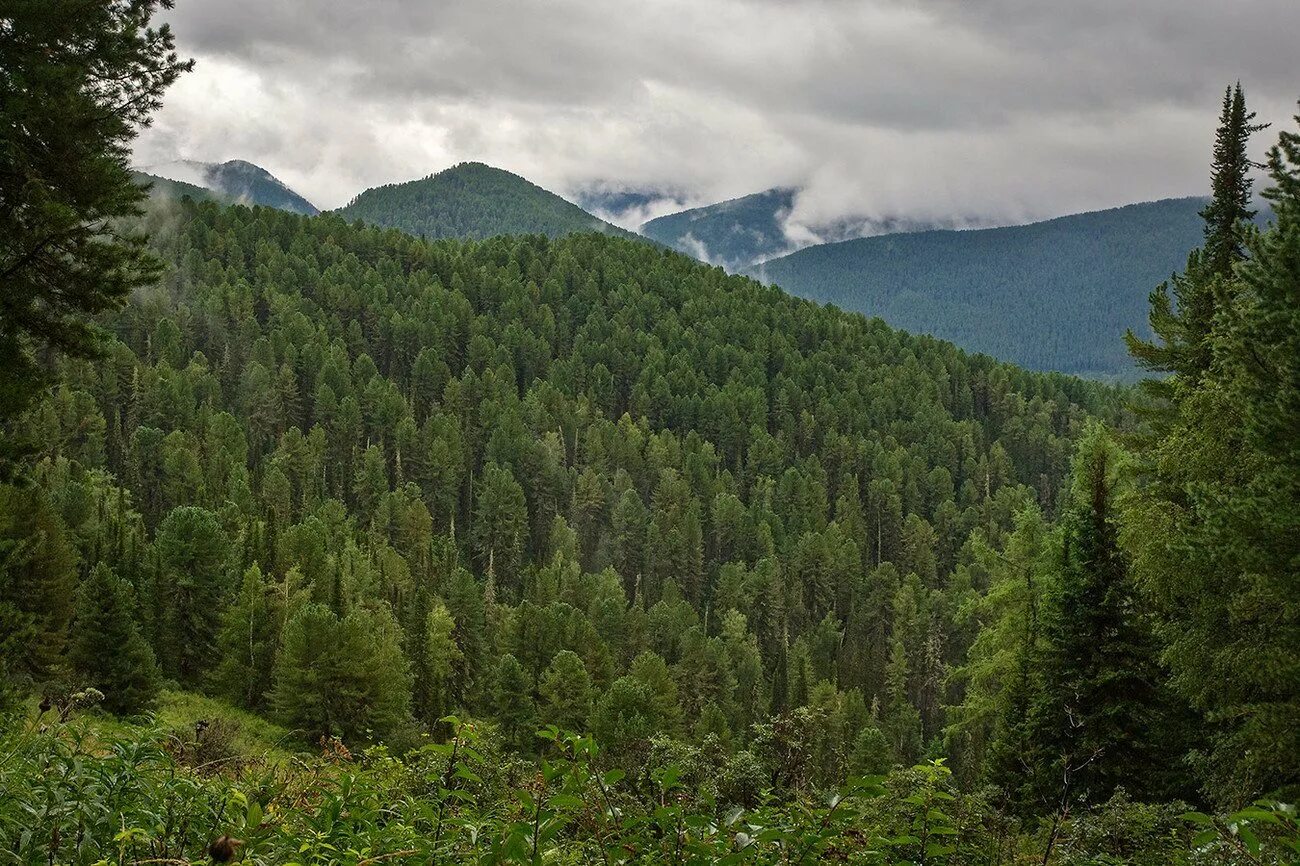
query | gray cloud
[952, 109]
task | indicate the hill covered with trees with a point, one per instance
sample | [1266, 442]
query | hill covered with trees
[1054, 295]
[235, 181]
[741, 232]
[472, 200]
[818, 589]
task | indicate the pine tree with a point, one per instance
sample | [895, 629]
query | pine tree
[79, 81]
[342, 677]
[106, 650]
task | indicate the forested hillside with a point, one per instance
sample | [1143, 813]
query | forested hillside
[742, 232]
[733, 234]
[585, 445]
[236, 181]
[472, 200]
[165, 187]
[323, 543]
[1081, 280]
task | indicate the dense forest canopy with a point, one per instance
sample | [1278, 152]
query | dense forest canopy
[472, 200]
[1054, 295]
[570, 549]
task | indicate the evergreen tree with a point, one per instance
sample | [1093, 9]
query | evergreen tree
[191, 591]
[37, 587]
[566, 692]
[79, 80]
[1183, 325]
[106, 650]
[434, 665]
[513, 705]
[1228, 215]
[342, 677]
[1095, 721]
[247, 642]
[1224, 567]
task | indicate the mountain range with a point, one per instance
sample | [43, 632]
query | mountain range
[1052, 295]
[1083, 279]
[742, 232]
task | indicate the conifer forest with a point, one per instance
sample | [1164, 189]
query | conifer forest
[459, 525]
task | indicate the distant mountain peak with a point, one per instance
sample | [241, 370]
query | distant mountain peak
[236, 180]
[473, 200]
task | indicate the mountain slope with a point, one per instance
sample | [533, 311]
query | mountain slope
[472, 200]
[237, 181]
[741, 232]
[733, 233]
[1053, 295]
[586, 444]
[165, 187]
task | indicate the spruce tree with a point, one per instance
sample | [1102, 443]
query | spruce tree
[1093, 726]
[106, 650]
[1183, 324]
[1228, 215]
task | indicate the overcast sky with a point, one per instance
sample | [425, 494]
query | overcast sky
[988, 109]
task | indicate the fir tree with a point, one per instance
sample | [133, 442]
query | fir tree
[1095, 720]
[1182, 325]
[106, 650]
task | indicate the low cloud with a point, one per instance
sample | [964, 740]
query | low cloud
[979, 110]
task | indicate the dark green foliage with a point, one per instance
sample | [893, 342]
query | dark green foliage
[106, 650]
[1100, 720]
[1183, 327]
[37, 586]
[1228, 215]
[472, 200]
[342, 676]
[190, 590]
[246, 644]
[1082, 281]
[79, 80]
[1216, 523]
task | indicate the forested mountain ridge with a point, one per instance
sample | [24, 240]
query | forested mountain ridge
[739, 233]
[165, 187]
[584, 450]
[472, 200]
[572, 550]
[1081, 280]
[235, 180]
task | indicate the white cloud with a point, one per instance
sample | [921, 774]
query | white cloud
[948, 109]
